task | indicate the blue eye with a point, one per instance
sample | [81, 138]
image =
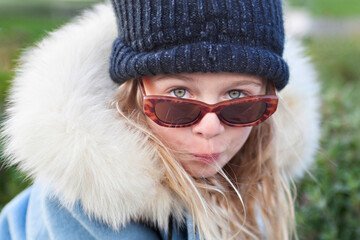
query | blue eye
[234, 94]
[179, 92]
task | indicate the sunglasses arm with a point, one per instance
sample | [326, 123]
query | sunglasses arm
[273, 89]
[142, 88]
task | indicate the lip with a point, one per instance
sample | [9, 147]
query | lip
[207, 158]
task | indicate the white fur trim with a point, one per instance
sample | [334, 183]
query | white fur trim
[298, 114]
[61, 131]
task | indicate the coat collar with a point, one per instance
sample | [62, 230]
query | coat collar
[62, 132]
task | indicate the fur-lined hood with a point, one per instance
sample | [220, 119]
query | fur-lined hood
[61, 130]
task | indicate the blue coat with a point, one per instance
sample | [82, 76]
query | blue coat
[34, 215]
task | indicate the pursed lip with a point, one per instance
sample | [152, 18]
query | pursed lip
[207, 158]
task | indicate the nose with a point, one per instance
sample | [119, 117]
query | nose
[209, 126]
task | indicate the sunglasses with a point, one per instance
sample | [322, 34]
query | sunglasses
[177, 112]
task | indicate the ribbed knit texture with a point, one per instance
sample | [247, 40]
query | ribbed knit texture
[174, 36]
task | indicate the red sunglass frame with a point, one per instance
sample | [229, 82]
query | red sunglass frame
[149, 102]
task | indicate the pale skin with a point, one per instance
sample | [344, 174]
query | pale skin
[209, 145]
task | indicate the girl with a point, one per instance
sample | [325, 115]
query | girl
[181, 144]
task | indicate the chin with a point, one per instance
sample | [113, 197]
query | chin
[203, 172]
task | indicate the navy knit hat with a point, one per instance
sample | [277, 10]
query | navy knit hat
[174, 36]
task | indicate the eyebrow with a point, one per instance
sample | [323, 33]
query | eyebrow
[246, 82]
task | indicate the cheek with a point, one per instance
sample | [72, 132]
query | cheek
[237, 138]
[173, 137]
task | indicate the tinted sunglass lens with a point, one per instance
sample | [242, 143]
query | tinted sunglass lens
[243, 113]
[176, 113]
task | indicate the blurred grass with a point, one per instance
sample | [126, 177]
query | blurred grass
[17, 33]
[330, 208]
[330, 8]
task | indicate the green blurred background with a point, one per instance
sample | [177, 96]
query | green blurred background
[328, 204]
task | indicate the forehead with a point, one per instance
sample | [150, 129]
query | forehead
[206, 79]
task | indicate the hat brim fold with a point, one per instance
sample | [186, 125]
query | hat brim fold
[198, 57]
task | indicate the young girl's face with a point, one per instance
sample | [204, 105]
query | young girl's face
[207, 146]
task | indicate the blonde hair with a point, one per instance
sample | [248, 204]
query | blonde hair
[249, 198]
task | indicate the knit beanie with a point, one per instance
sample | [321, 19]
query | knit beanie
[175, 36]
